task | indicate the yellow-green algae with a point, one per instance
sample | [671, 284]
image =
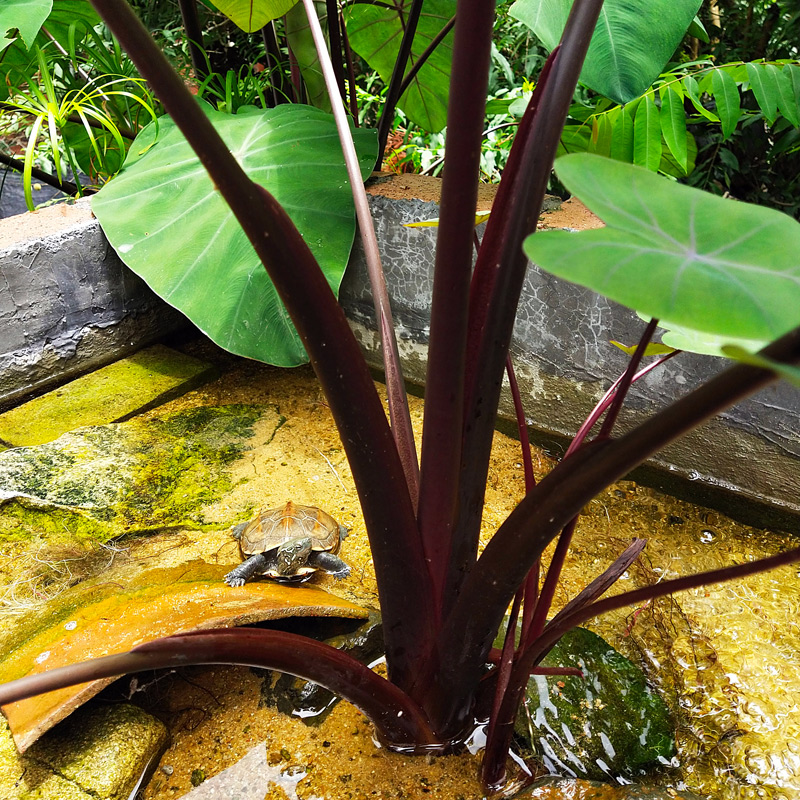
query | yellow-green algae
[115, 392]
[98, 483]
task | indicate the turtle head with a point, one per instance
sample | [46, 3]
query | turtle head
[237, 530]
[292, 555]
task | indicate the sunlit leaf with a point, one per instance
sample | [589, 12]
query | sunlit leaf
[647, 135]
[676, 253]
[726, 95]
[480, 216]
[106, 618]
[252, 15]
[786, 371]
[169, 224]
[22, 18]
[652, 349]
[633, 40]
[706, 344]
[765, 88]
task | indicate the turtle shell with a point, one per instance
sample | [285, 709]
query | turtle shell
[269, 529]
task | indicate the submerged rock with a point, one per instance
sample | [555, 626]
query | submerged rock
[607, 724]
[576, 789]
[310, 701]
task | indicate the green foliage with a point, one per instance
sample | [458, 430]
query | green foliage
[82, 99]
[168, 223]
[663, 131]
[252, 15]
[67, 22]
[628, 50]
[375, 32]
[22, 19]
[678, 254]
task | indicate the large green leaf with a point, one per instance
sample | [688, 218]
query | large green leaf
[164, 217]
[375, 33]
[22, 18]
[632, 42]
[301, 40]
[252, 15]
[673, 252]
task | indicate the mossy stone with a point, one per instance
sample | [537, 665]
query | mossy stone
[100, 482]
[102, 749]
[99, 753]
[110, 394]
[607, 724]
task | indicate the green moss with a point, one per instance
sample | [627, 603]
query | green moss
[21, 520]
[115, 392]
[184, 463]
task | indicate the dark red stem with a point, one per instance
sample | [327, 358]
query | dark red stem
[386, 120]
[398, 720]
[468, 632]
[440, 464]
[627, 380]
[334, 352]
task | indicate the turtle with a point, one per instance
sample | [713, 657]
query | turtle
[288, 544]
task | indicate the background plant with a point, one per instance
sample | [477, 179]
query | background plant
[80, 97]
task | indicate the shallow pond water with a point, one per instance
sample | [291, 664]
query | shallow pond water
[725, 658]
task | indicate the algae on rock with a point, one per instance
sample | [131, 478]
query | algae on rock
[606, 724]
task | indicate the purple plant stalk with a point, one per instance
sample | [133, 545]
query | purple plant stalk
[565, 539]
[398, 720]
[444, 399]
[405, 594]
[501, 731]
[395, 386]
[468, 631]
[335, 36]
[425, 55]
[351, 73]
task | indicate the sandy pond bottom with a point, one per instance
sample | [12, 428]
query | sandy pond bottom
[725, 658]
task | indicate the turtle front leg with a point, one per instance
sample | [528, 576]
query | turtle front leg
[331, 564]
[253, 566]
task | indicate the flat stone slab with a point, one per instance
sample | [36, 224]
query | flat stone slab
[111, 394]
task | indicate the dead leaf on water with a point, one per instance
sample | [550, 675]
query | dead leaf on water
[105, 618]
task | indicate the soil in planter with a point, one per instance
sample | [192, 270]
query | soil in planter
[725, 658]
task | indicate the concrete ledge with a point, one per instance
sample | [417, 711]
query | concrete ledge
[67, 303]
[70, 305]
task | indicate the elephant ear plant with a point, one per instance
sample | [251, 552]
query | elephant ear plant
[667, 251]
